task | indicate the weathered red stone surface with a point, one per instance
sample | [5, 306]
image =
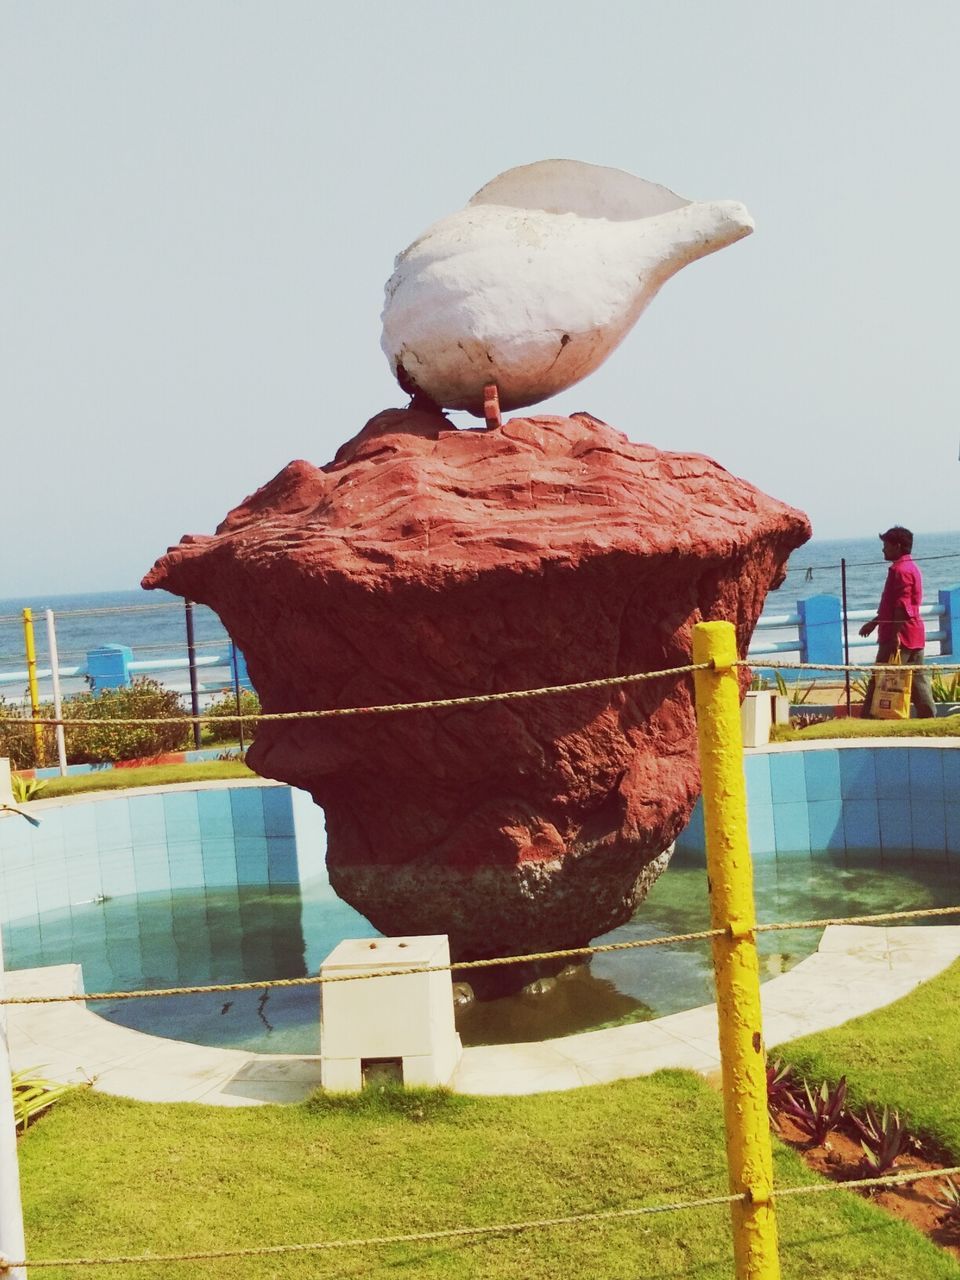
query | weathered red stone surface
[427, 562]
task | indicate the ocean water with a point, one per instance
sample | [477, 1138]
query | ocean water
[814, 569]
[152, 622]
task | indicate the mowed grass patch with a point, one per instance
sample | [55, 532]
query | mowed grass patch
[945, 727]
[905, 1056]
[105, 1176]
[156, 775]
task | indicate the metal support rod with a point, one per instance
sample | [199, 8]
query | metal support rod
[846, 633]
[236, 691]
[31, 652]
[192, 660]
[57, 701]
[730, 876]
[12, 1242]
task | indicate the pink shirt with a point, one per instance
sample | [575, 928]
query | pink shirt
[904, 587]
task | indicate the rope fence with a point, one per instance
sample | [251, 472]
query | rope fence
[763, 1191]
[487, 1229]
[569, 953]
[579, 686]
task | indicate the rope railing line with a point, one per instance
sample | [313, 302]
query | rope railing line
[486, 1229]
[918, 914]
[102, 611]
[467, 700]
[633, 944]
[855, 1184]
[411, 1237]
[764, 664]
[318, 979]
[478, 699]
[868, 564]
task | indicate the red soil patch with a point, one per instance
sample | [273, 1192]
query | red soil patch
[841, 1159]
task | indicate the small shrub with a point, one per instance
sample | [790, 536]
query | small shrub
[945, 690]
[226, 705]
[32, 1095]
[883, 1137]
[18, 740]
[806, 719]
[949, 1202]
[796, 693]
[100, 743]
[25, 789]
[818, 1112]
[782, 1085]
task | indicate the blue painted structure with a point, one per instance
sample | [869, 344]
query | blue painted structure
[813, 633]
[817, 632]
[848, 798]
[205, 836]
[111, 666]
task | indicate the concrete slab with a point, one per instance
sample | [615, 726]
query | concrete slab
[858, 968]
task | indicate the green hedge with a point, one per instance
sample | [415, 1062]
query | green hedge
[226, 705]
[98, 743]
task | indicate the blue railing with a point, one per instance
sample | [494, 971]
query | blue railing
[111, 666]
[813, 633]
[816, 631]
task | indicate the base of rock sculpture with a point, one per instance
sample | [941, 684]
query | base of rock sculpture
[428, 562]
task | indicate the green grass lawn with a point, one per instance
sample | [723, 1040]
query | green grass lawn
[147, 776]
[106, 1176]
[906, 1055]
[946, 727]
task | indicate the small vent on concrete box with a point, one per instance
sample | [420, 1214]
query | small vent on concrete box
[378, 1071]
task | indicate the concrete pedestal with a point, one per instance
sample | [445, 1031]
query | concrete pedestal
[761, 709]
[399, 1027]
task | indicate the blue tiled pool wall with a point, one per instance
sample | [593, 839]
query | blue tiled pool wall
[848, 799]
[117, 845]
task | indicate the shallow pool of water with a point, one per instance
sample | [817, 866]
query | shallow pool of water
[194, 937]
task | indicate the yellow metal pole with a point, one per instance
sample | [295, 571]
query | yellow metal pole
[749, 1159]
[32, 681]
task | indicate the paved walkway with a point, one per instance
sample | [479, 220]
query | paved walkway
[856, 969]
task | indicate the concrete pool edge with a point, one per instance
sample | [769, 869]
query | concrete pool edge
[857, 968]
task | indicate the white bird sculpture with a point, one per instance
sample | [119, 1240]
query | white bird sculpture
[534, 283]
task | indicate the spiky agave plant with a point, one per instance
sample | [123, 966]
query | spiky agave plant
[32, 1095]
[818, 1111]
[883, 1136]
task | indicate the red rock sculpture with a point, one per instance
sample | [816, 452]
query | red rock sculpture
[427, 562]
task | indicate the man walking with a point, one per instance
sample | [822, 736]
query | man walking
[898, 619]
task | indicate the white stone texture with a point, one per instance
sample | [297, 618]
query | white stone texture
[756, 717]
[405, 1017]
[539, 278]
[6, 785]
[857, 968]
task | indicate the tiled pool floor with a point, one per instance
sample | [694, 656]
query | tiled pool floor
[856, 969]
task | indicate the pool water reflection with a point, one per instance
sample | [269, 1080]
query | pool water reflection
[197, 937]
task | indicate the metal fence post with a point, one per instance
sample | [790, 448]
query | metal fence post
[57, 700]
[236, 692]
[742, 1056]
[12, 1241]
[192, 659]
[31, 652]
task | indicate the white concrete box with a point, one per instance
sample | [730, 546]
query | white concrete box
[6, 785]
[756, 716]
[373, 1023]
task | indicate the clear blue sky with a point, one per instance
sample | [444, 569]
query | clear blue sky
[203, 199]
